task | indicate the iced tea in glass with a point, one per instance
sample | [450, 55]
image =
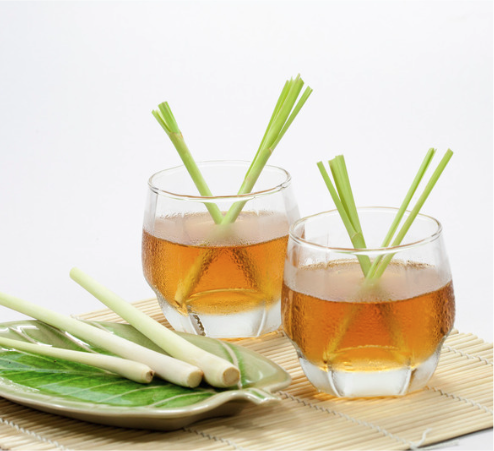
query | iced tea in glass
[211, 279]
[359, 338]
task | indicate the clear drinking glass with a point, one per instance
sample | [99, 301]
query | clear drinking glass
[218, 280]
[355, 337]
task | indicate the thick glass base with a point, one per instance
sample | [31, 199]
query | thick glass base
[355, 384]
[249, 323]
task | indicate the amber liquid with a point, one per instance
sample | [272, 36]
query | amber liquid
[195, 266]
[347, 326]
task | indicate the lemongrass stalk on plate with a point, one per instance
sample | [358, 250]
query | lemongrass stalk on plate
[166, 367]
[218, 372]
[130, 369]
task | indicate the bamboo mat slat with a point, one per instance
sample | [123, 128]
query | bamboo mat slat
[457, 401]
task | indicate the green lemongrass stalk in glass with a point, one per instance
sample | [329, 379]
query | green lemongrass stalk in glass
[399, 215]
[218, 372]
[379, 265]
[413, 214]
[342, 183]
[200, 265]
[285, 111]
[165, 118]
[345, 203]
[166, 367]
[283, 115]
[130, 369]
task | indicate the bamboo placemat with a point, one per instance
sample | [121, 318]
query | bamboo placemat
[457, 401]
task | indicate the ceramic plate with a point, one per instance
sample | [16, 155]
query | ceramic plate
[87, 393]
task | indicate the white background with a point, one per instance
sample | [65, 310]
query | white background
[78, 81]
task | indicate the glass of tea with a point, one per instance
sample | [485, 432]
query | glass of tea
[211, 277]
[361, 337]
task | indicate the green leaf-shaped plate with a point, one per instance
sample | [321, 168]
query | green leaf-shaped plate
[87, 393]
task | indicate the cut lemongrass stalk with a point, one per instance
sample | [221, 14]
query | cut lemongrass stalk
[130, 369]
[404, 205]
[339, 205]
[187, 284]
[166, 367]
[200, 265]
[165, 118]
[342, 183]
[274, 115]
[346, 207]
[283, 115]
[381, 264]
[415, 211]
[218, 372]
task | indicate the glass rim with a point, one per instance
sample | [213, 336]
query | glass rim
[224, 197]
[363, 251]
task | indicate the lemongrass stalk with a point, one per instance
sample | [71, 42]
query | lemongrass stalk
[130, 369]
[339, 205]
[281, 119]
[186, 285]
[353, 229]
[344, 200]
[165, 118]
[418, 178]
[404, 205]
[382, 263]
[166, 367]
[342, 182]
[293, 115]
[277, 108]
[283, 116]
[415, 211]
[218, 372]
[280, 116]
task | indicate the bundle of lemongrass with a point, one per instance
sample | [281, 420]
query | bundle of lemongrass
[285, 111]
[341, 193]
[186, 364]
[343, 198]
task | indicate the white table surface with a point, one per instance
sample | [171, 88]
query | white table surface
[78, 81]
